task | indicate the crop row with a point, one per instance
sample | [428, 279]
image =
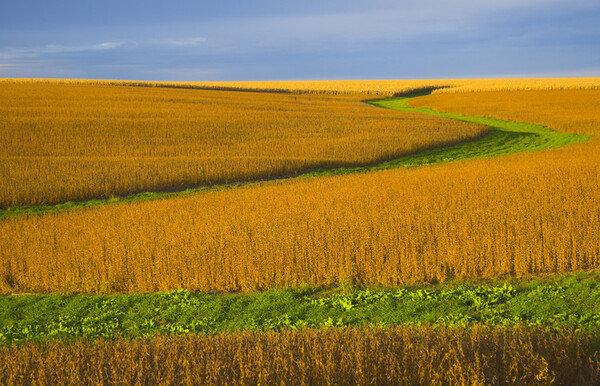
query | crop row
[400, 355]
[386, 87]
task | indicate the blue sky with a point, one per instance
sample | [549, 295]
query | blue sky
[279, 40]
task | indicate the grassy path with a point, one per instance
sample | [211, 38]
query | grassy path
[503, 138]
[558, 301]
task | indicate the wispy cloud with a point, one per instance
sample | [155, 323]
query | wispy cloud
[23, 53]
[398, 21]
[58, 48]
[183, 42]
[52, 49]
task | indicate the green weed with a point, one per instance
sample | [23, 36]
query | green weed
[569, 301]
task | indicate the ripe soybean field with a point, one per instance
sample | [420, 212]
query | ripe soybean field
[386, 262]
[523, 214]
[64, 142]
[388, 87]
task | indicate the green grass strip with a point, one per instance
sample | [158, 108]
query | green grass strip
[503, 138]
[554, 302]
[71, 205]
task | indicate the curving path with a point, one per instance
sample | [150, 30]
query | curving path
[503, 138]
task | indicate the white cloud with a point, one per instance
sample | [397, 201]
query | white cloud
[49, 49]
[57, 48]
[183, 42]
[29, 53]
[14, 54]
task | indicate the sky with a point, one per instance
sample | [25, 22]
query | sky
[226, 40]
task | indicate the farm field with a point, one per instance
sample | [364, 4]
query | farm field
[501, 138]
[423, 227]
[388, 87]
[463, 226]
[64, 142]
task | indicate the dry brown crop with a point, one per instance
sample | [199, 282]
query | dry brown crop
[61, 142]
[385, 87]
[393, 86]
[575, 111]
[401, 355]
[523, 214]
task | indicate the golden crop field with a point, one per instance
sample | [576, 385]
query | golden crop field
[575, 111]
[65, 142]
[518, 215]
[384, 87]
[512, 216]
[393, 87]
[525, 214]
[480, 219]
[399, 355]
[521, 84]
